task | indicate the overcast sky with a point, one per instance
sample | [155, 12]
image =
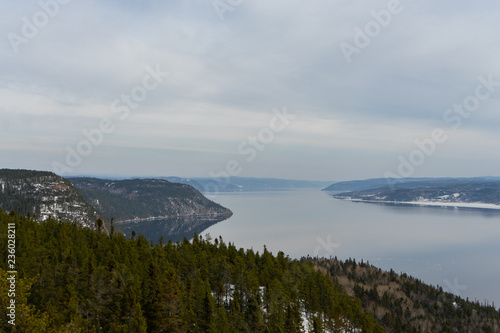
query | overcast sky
[354, 93]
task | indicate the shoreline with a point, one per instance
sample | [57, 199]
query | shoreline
[476, 205]
[166, 217]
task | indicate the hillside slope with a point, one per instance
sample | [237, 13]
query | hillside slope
[402, 303]
[44, 195]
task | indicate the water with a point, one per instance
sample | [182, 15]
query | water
[169, 228]
[458, 249]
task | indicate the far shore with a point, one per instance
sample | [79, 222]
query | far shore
[478, 205]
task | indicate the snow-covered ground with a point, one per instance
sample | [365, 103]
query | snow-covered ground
[479, 205]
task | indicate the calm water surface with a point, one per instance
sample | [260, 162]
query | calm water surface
[458, 249]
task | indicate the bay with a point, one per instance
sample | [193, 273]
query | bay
[455, 248]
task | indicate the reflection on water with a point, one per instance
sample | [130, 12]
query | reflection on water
[174, 229]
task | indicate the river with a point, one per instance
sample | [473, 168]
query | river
[456, 248]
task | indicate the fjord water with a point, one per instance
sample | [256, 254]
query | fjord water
[457, 249]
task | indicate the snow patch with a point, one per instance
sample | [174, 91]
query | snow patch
[426, 202]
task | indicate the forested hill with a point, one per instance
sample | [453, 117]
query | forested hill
[402, 303]
[42, 195]
[459, 192]
[367, 184]
[406, 183]
[74, 279]
[137, 199]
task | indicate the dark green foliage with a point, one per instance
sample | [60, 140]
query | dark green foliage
[89, 281]
[74, 279]
[14, 174]
[405, 304]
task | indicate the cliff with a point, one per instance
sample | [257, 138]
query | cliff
[43, 195]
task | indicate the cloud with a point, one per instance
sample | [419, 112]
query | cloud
[227, 76]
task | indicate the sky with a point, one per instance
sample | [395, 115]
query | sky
[316, 90]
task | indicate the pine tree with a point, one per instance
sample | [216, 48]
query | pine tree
[163, 305]
[138, 322]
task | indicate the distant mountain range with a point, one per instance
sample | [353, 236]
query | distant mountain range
[367, 184]
[236, 184]
[248, 184]
[477, 192]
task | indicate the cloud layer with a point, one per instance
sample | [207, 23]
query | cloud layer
[354, 116]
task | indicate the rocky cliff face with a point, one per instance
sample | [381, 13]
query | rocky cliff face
[144, 199]
[43, 195]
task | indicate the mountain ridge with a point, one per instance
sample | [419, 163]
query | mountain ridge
[230, 184]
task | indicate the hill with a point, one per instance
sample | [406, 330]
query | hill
[372, 183]
[402, 303]
[146, 199]
[44, 195]
[455, 192]
[392, 183]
